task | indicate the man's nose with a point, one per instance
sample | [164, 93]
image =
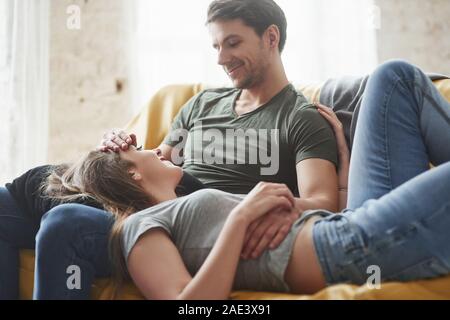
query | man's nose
[222, 57]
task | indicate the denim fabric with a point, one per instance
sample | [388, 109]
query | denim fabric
[16, 231]
[71, 235]
[403, 125]
[398, 215]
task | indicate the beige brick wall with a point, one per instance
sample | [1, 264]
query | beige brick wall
[89, 74]
[416, 30]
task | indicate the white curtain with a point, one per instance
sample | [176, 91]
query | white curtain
[23, 85]
[326, 38]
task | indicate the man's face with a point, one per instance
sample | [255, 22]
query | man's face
[241, 52]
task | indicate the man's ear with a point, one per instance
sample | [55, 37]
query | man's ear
[274, 36]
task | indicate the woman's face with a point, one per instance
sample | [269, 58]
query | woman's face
[151, 168]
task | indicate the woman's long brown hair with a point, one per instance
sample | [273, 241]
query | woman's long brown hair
[102, 177]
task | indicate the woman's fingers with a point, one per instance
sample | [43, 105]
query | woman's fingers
[251, 228]
[323, 107]
[281, 202]
[319, 105]
[329, 118]
[326, 110]
[329, 115]
[279, 237]
[268, 188]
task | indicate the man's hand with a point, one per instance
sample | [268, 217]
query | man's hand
[268, 232]
[117, 139]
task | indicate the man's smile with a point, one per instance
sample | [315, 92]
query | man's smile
[232, 70]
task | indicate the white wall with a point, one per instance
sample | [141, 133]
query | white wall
[416, 30]
[89, 90]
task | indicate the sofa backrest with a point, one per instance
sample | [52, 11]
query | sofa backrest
[153, 122]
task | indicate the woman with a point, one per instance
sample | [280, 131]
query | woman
[404, 231]
[189, 247]
[24, 210]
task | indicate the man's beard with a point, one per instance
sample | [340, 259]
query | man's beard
[251, 80]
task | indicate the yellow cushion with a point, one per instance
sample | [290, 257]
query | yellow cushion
[444, 88]
[153, 122]
[151, 125]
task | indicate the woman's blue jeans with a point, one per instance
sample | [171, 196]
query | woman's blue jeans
[398, 216]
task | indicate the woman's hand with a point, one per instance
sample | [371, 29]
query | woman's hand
[337, 126]
[264, 197]
[344, 153]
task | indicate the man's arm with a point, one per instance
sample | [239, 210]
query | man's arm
[318, 187]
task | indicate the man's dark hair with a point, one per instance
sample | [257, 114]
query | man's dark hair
[257, 14]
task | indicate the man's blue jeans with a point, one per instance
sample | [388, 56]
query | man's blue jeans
[68, 235]
[71, 235]
[16, 231]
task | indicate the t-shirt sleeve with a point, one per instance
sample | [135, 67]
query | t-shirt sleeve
[312, 136]
[193, 218]
[182, 122]
[133, 229]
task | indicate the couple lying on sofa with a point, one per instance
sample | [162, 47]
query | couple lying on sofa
[175, 243]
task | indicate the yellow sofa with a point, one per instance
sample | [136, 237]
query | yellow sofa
[151, 125]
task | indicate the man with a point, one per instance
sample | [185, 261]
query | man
[249, 37]
[264, 109]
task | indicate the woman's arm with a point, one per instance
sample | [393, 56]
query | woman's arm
[344, 154]
[158, 270]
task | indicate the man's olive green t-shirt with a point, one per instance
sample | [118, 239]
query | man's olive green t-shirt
[233, 153]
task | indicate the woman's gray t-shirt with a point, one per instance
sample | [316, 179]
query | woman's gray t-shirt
[194, 222]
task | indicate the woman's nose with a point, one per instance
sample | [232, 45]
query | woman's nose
[158, 152]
